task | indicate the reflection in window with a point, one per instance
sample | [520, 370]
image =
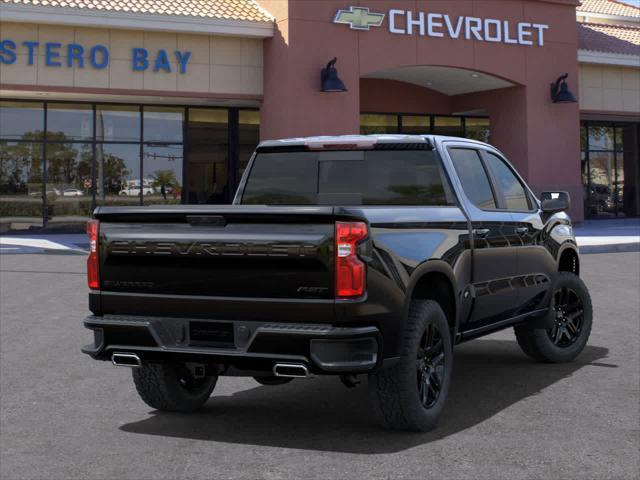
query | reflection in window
[67, 122]
[69, 175]
[378, 124]
[601, 138]
[118, 123]
[450, 126]
[163, 124]
[473, 177]
[118, 174]
[207, 155]
[21, 120]
[513, 193]
[477, 129]
[416, 124]
[21, 184]
[162, 166]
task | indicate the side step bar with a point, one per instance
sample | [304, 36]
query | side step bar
[126, 360]
[290, 370]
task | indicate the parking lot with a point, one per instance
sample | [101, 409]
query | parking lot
[64, 415]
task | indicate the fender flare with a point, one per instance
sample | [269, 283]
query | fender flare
[431, 266]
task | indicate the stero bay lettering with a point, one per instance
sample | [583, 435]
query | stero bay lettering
[97, 56]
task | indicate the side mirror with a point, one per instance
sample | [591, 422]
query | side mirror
[554, 202]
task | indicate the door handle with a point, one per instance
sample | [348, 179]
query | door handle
[522, 231]
[481, 232]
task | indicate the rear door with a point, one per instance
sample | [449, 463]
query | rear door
[494, 238]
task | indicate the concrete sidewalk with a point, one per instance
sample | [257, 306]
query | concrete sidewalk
[607, 236]
[594, 236]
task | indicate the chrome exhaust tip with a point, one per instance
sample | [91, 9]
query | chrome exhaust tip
[290, 370]
[126, 360]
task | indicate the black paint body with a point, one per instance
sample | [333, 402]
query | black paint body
[267, 273]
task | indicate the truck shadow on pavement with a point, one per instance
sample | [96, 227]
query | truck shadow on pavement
[321, 414]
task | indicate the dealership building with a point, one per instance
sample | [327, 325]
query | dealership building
[109, 102]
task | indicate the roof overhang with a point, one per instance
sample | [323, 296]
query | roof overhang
[607, 58]
[134, 21]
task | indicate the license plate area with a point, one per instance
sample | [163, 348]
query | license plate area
[211, 334]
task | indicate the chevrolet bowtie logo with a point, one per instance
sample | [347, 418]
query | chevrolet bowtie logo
[359, 18]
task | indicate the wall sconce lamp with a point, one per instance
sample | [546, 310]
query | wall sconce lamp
[329, 80]
[560, 92]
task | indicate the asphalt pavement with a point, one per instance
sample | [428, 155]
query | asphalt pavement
[65, 416]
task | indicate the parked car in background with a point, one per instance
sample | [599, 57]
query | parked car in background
[72, 192]
[344, 256]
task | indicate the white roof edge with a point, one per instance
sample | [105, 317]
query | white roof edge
[82, 17]
[607, 16]
[360, 140]
[607, 58]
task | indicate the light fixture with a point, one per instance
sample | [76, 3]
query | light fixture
[475, 75]
[560, 92]
[329, 80]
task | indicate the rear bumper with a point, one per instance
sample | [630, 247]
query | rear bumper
[237, 347]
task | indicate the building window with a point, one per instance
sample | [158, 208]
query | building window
[610, 170]
[477, 128]
[59, 160]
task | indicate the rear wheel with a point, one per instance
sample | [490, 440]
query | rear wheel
[412, 394]
[172, 387]
[565, 340]
[273, 380]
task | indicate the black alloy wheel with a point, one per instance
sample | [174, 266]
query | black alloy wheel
[430, 366]
[569, 317]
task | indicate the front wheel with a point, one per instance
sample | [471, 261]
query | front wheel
[411, 395]
[573, 312]
[172, 387]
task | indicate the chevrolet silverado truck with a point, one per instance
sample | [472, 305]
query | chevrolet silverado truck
[345, 256]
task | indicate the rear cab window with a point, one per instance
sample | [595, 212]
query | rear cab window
[349, 177]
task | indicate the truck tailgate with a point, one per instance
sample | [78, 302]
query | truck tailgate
[227, 251]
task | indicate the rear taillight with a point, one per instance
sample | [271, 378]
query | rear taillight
[350, 270]
[93, 279]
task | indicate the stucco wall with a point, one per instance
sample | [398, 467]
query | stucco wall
[221, 65]
[609, 88]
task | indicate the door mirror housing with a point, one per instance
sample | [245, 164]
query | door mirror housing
[554, 202]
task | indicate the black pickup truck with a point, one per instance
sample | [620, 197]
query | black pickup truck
[345, 256]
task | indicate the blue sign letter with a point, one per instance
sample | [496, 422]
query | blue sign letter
[31, 47]
[183, 59]
[93, 54]
[74, 52]
[140, 62]
[51, 53]
[7, 52]
[162, 62]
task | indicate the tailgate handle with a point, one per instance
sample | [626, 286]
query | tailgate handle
[207, 220]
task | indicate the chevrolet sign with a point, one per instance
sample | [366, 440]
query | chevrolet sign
[359, 18]
[441, 25]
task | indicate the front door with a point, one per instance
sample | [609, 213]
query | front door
[495, 239]
[536, 265]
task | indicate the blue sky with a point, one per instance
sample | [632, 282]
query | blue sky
[635, 3]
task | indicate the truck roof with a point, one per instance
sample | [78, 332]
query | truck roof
[358, 140]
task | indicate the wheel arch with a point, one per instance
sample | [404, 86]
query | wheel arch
[569, 259]
[435, 280]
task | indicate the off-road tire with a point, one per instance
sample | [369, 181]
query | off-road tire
[538, 343]
[395, 392]
[168, 387]
[272, 380]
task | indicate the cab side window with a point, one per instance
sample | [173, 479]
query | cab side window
[473, 177]
[511, 190]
